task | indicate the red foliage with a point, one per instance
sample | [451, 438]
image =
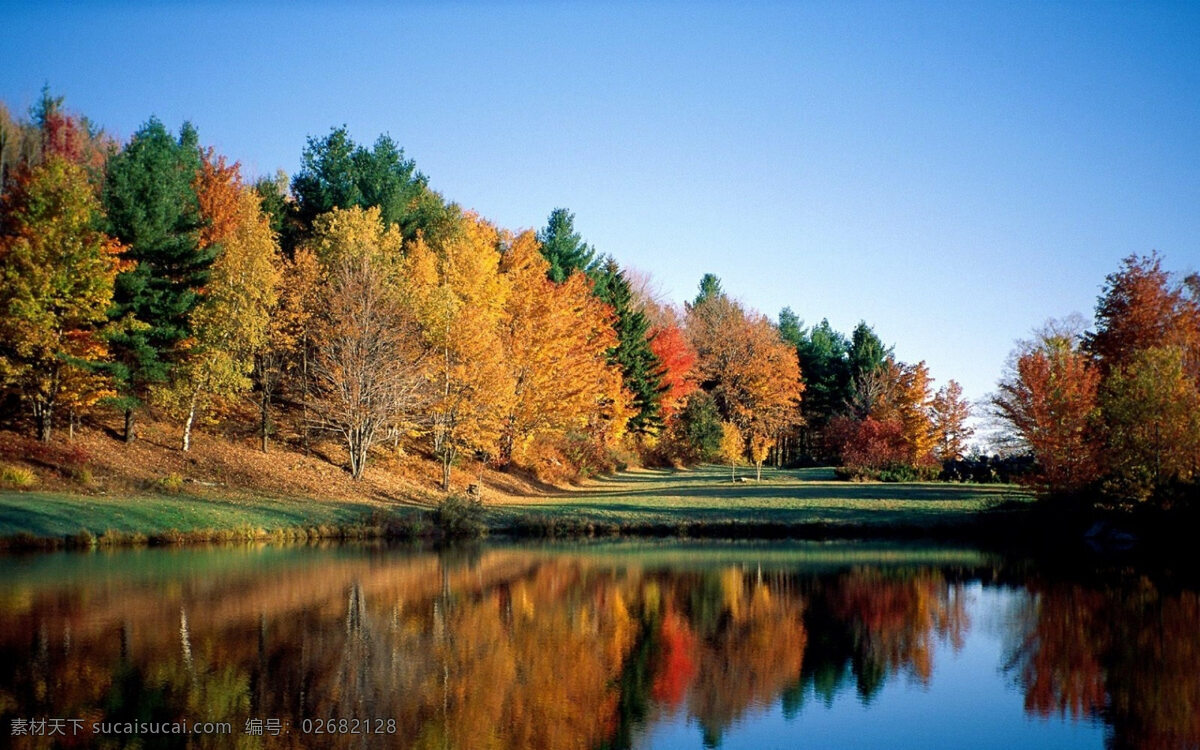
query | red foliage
[868, 443]
[1140, 309]
[677, 668]
[1051, 402]
[678, 363]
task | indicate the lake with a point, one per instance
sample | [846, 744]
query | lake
[613, 645]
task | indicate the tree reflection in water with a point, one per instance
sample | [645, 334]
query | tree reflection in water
[510, 649]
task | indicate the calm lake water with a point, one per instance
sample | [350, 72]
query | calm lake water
[617, 645]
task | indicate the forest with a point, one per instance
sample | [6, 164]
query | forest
[152, 279]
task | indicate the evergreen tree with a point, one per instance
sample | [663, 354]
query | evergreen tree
[824, 361]
[152, 209]
[791, 328]
[640, 367]
[565, 249]
[337, 173]
[710, 287]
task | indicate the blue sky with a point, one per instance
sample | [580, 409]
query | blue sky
[954, 173]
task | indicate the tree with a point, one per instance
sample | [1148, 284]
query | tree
[710, 288]
[231, 321]
[337, 173]
[280, 209]
[1142, 308]
[760, 447]
[57, 272]
[751, 373]
[289, 335]
[866, 357]
[640, 367]
[1049, 401]
[950, 414]
[906, 400]
[152, 209]
[676, 370]
[868, 443]
[733, 445]
[824, 364]
[460, 299]
[700, 425]
[1152, 418]
[563, 247]
[366, 369]
[556, 339]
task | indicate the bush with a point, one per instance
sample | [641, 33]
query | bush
[988, 469]
[458, 517]
[17, 477]
[172, 483]
[892, 472]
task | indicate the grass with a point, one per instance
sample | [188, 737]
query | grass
[697, 502]
[44, 514]
[705, 495]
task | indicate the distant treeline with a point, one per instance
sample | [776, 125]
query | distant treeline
[153, 274]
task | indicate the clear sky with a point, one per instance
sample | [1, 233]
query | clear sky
[952, 172]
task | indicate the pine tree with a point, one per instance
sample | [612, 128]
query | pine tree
[564, 249]
[152, 209]
[641, 369]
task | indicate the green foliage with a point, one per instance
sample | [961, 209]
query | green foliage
[866, 353]
[152, 209]
[825, 366]
[458, 517]
[337, 173]
[564, 248]
[640, 368]
[700, 424]
[172, 483]
[791, 328]
[281, 212]
[710, 288]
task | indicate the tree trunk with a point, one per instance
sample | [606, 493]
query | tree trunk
[72, 421]
[447, 458]
[130, 436]
[758, 476]
[732, 471]
[43, 414]
[264, 414]
[187, 426]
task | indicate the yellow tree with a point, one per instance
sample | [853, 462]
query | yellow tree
[459, 296]
[556, 338]
[906, 399]
[56, 283]
[232, 320]
[289, 333]
[733, 445]
[368, 349]
[760, 448]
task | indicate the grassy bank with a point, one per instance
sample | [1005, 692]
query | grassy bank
[805, 502]
[701, 502]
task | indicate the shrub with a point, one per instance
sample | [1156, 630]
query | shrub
[458, 517]
[172, 483]
[17, 477]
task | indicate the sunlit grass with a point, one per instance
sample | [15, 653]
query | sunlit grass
[802, 496]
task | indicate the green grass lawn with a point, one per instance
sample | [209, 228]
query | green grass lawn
[797, 496]
[50, 515]
[701, 495]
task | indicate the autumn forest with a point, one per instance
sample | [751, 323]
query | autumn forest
[354, 302]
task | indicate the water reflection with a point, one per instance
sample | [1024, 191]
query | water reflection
[516, 649]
